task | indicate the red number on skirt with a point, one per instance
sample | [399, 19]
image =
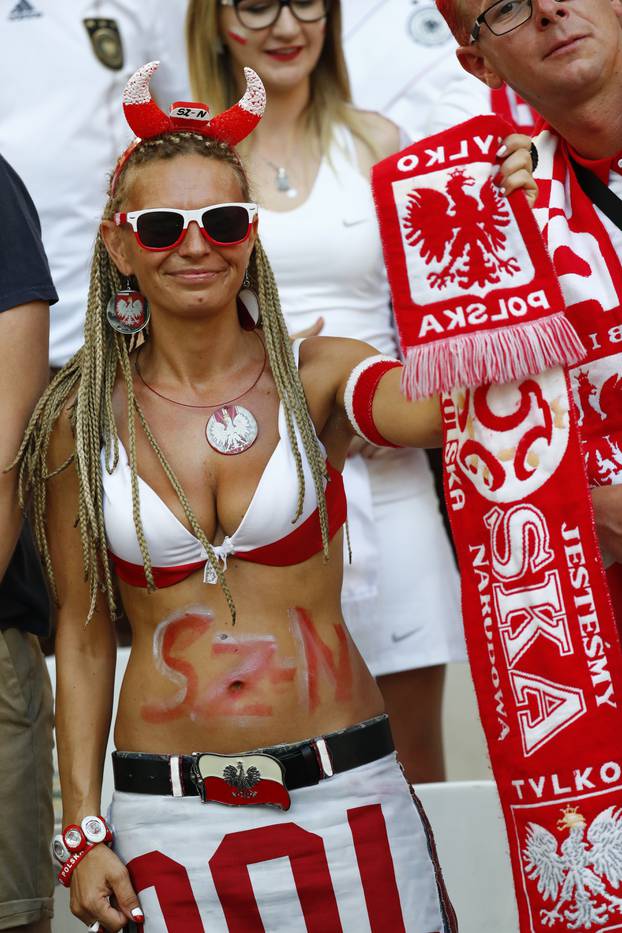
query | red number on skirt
[307, 854]
[173, 888]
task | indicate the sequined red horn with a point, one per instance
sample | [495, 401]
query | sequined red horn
[141, 111]
[238, 121]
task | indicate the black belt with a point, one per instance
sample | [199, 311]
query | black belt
[304, 763]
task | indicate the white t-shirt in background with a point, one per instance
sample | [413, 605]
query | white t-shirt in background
[402, 63]
[62, 125]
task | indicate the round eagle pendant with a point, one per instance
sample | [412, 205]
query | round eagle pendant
[232, 429]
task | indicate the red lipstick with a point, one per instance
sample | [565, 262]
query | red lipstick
[284, 55]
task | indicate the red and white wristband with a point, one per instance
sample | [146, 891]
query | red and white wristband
[70, 846]
[359, 395]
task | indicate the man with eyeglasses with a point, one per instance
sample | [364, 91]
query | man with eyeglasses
[564, 57]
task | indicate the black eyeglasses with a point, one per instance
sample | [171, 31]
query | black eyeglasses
[502, 17]
[261, 14]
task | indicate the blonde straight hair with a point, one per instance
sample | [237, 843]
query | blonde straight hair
[330, 104]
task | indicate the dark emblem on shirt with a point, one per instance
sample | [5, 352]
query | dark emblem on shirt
[24, 10]
[427, 26]
[242, 781]
[106, 41]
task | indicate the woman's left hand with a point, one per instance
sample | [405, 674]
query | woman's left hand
[516, 169]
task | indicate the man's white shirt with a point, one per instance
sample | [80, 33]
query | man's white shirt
[62, 124]
[402, 63]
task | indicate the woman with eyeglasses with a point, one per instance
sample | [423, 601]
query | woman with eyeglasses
[310, 161]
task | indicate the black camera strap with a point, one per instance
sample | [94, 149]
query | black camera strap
[599, 193]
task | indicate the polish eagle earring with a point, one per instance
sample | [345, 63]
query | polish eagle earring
[128, 311]
[248, 305]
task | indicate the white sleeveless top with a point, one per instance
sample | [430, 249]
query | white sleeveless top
[327, 260]
[327, 256]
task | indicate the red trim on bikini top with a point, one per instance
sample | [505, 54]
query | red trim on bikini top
[299, 545]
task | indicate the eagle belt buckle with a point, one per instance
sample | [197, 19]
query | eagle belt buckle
[241, 780]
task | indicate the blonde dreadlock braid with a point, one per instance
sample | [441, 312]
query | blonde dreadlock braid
[289, 386]
[85, 387]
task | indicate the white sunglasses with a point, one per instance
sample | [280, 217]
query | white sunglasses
[160, 228]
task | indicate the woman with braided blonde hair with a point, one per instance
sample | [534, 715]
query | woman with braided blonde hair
[186, 463]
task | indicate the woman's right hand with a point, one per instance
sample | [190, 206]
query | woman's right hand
[101, 875]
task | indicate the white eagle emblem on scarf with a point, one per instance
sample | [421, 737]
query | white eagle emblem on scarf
[575, 877]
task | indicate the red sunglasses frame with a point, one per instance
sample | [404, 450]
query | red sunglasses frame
[132, 218]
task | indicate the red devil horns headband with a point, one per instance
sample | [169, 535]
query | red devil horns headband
[147, 120]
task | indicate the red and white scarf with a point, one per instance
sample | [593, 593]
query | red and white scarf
[542, 641]
[474, 294]
[586, 260]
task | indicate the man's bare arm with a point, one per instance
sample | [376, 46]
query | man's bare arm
[24, 332]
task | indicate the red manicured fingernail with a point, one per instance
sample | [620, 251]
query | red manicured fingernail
[138, 915]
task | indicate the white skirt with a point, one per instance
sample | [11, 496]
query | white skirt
[401, 594]
[353, 854]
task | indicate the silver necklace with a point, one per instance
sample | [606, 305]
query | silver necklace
[281, 179]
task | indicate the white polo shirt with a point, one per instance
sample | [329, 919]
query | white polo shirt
[402, 63]
[61, 120]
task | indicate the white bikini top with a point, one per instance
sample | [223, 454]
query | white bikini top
[266, 534]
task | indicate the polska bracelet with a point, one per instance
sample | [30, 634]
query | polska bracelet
[64, 875]
[75, 842]
[74, 838]
[59, 849]
[96, 829]
[92, 829]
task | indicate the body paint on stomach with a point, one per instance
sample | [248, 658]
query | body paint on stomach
[320, 659]
[254, 662]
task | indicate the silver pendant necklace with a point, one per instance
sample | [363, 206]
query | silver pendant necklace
[230, 429]
[281, 179]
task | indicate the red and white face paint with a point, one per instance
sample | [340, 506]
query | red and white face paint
[237, 36]
[284, 53]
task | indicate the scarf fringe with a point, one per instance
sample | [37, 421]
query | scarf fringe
[496, 356]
